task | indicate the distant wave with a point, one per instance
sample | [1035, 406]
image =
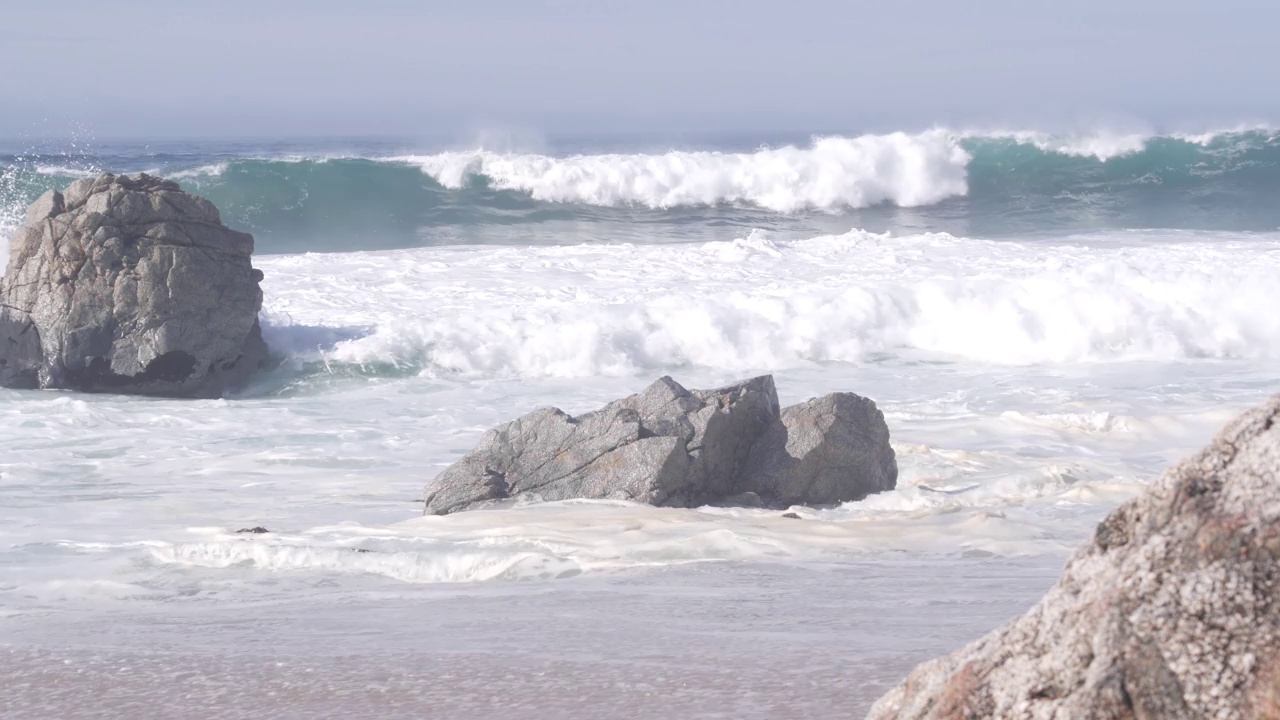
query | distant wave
[202, 172]
[1102, 146]
[982, 182]
[833, 172]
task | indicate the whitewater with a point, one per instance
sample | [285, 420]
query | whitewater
[1046, 320]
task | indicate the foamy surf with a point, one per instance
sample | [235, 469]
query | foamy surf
[833, 172]
[560, 540]
[760, 303]
[1100, 145]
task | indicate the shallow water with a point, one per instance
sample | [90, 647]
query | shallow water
[748, 640]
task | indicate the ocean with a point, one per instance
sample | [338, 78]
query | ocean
[1046, 320]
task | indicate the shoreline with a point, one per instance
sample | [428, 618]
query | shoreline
[497, 651]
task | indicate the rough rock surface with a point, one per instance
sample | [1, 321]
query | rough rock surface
[828, 450]
[128, 284]
[663, 446]
[1171, 611]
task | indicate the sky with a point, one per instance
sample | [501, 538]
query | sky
[309, 68]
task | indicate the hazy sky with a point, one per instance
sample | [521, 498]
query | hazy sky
[134, 68]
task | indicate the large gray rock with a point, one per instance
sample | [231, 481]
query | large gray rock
[664, 446]
[127, 284]
[1170, 612]
[828, 450]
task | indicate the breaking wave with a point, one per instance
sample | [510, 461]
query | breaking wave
[833, 172]
[758, 303]
[990, 182]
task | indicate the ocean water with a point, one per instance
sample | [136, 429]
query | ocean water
[1046, 320]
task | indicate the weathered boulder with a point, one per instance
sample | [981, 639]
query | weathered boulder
[1171, 611]
[828, 450]
[130, 285]
[664, 446]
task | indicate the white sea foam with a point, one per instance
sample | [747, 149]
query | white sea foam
[1092, 422]
[1100, 144]
[761, 303]
[1105, 144]
[66, 171]
[1207, 137]
[830, 173]
[465, 565]
[204, 171]
[565, 539]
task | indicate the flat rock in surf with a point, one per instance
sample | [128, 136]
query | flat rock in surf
[127, 284]
[675, 447]
[1171, 611]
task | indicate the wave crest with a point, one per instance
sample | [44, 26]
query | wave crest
[986, 182]
[832, 173]
[1100, 145]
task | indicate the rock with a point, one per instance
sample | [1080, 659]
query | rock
[742, 500]
[258, 530]
[130, 285]
[1171, 610]
[20, 355]
[828, 450]
[664, 446]
[669, 446]
[791, 516]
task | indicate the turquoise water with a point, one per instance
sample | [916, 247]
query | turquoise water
[366, 195]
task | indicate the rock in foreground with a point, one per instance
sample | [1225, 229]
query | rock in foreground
[129, 285]
[1172, 611]
[673, 447]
